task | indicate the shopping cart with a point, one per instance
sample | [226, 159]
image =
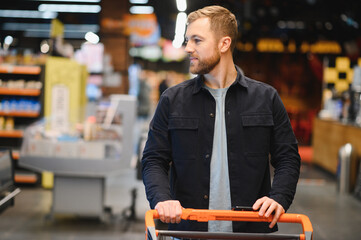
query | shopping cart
[200, 215]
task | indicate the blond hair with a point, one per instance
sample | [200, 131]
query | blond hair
[222, 21]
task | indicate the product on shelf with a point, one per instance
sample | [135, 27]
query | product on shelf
[2, 122]
[9, 124]
[25, 104]
[21, 84]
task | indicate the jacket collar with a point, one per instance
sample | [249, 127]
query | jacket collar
[240, 79]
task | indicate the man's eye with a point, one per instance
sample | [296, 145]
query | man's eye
[197, 40]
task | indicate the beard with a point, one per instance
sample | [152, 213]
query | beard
[205, 66]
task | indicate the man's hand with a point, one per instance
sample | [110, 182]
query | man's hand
[169, 211]
[266, 207]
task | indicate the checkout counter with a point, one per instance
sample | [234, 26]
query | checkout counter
[328, 137]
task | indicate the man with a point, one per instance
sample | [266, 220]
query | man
[216, 133]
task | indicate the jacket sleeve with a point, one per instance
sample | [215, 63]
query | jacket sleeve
[157, 156]
[284, 156]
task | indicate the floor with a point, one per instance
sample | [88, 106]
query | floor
[333, 216]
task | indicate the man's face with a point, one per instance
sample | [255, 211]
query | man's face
[201, 47]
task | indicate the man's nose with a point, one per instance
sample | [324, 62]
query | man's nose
[188, 48]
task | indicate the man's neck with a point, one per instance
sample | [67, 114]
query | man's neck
[222, 76]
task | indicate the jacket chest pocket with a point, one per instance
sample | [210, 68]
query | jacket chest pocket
[257, 131]
[184, 137]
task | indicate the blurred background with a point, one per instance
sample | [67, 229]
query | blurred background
[80, 79]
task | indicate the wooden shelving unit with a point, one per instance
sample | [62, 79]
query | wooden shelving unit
[27, 114]
[32, 70]
[30, 178]
[19, 92]
[13, 138]
[11, 133]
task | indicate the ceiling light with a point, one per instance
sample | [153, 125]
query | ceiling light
[138, 1]
[27, 14]
[141, 10]
[300, 25]
[69, 8]
[81, 27]
[133, 52]
[152, 53]
[281, 24]
[25, 26]
[8, 40]
[92, 37]
[46, 34]
[178, 41]
[181, 5]
[44, 47]
[180, 26]
[344, 17]
[349, 21]
[291, 24]
[82, 1]
[328, 26]
[46, 27]
[37, 34]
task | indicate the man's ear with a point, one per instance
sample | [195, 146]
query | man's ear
[225, 44]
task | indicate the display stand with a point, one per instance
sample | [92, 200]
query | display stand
[79, 195]
[79, 182]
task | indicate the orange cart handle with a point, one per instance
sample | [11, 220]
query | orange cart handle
[205, 215]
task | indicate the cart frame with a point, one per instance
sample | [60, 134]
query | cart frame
[204, 215]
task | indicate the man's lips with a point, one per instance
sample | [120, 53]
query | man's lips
[192, 58]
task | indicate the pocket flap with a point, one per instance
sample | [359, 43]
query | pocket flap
[257, 120]
[183, 123]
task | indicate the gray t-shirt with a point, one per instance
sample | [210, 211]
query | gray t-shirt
[219, 192]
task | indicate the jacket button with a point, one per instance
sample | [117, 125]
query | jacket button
[211, 115]
[205, 197]
[207, 155]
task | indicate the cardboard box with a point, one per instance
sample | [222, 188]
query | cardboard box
[40, 148]
[92, 150]
[66, 150]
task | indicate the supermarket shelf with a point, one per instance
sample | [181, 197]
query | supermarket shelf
[32, 70]
[19, 114]
[11, 133]
[26, 178]
[18, 72]
[19, 92]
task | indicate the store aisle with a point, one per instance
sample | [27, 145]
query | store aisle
[333, 216]
[29, 218]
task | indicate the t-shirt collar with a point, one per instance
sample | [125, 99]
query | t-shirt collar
[240, 79]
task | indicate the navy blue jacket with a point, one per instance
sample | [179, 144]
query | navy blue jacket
[180, 138]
